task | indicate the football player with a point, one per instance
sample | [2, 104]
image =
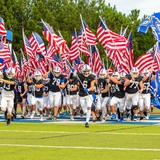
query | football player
[55, 86]
[145, 97]
[72, 89]
[1, 87]
[9, 83]
[118, 99]
[21, 95]
[38, 93]
[46, 95]
[86, 87]
[134, 85]
[103, 85]
[30, 98]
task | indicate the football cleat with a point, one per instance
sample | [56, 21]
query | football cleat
[72, 118]
[8, 122]
[87, 125]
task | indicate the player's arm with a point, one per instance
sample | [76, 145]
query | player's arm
[39, 85]
[92, 85]
[74, 88]
[25, 90]
[115, 80]
[127, 82]
[106, 89]
[141, 84]
[62, 84]
[8, 82]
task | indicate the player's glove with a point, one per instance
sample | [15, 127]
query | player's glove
[86, 90]
[94, 97]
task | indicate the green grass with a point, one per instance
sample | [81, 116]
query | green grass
[98, 135]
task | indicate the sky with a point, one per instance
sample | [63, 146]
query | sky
[146, 7]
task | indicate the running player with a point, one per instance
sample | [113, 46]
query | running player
[9, 83]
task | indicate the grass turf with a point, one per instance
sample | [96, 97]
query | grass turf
[98, 135]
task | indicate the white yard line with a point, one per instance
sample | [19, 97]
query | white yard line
[82, 147]
[66, 132]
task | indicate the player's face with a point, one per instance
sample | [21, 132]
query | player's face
[86, 73]
[38, 77]
[10, 75]
[135, 74]
[116, 77]
[57, 74]
[103, 76]
[146, 74]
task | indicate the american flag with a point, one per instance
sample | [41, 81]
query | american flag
[5, 52]
[119, 60]
[59, 42]
[90, 38]
[65, 52]
[27, 46]
[41, 46]
[96, 64]
[33, 43]
[47, 32]
[24, 66]
[16, 64]
[110, 39]
[130, 50]
[51, 50]
[78, 64]
[2, 64]
[3, 31]
[53, 39]
[82, 46]
[74, 52]
[146, 61]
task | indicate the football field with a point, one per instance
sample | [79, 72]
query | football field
[72, 141]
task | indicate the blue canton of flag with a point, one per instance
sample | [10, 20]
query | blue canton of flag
[38, 38]
[1, 60]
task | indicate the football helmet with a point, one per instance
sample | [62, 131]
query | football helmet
[146, 72]
[57, 71]
[38, 75]
[10, 72]
[123, 75]
[103, 73]
[116, 75]
[135, 72]
[86, 70]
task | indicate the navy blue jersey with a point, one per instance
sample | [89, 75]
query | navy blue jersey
[86, 82]
[30, 87]
[102, 83]
[38, 92]
[146, 87]
[46, 87]
[55, 82]
[134, 86]
[8, 87]
[20, 87]
[117, 90]
[70, 85]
